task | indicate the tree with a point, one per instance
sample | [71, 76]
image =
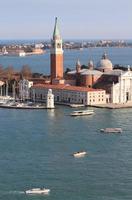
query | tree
[67, 70]
[1, 70]
[9, 72]
[26, 72]
[84, 67]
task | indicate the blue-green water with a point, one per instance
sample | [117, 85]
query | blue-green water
[36, 148]
[41, 63]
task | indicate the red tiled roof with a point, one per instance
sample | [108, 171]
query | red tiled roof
[66, 87]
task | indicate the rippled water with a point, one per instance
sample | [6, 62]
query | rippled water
[36, 148]
[41, 63]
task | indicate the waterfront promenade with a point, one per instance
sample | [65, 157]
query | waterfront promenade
[109, 105]
[114, 106]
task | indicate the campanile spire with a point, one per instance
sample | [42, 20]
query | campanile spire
[56, 54]
[56, 33]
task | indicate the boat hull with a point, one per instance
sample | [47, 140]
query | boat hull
[79, 154]
[81, 113]
[39, 191]
[111, 130]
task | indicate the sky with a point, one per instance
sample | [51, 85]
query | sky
[78, 19]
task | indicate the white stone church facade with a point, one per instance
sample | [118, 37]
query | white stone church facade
[121, 92]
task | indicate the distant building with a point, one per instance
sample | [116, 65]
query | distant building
[39, 46]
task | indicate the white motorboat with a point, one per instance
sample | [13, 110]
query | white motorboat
[76, 105]
[38, 191]
[82, 112]
[5, 99]
[111, 130]
[79, 154]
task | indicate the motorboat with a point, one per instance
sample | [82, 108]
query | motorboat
[111, 130]
[79, 154]
[38, 191]
[82, 112]
[5, 99]
[76, 105]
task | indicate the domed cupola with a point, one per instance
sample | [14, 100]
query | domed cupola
[105, 64]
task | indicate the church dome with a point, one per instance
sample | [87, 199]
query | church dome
[105, 64]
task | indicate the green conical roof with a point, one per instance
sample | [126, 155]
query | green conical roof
[56, 33]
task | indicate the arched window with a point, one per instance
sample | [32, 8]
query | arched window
[58, 45]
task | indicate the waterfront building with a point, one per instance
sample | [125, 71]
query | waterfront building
[121, 91]
[56, 56]
[24, 89]
[83, 77]
[89, 76]
[69, 94]
[76, 87]
[88, 86]
[117, 84]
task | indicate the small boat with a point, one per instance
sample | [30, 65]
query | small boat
[38, 191]
[76, 105]
[82, 112]
[5, 99]
[111, 130]
[79, 154]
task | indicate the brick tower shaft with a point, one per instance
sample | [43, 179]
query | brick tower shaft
[56, 54]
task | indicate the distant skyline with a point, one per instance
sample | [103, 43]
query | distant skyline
[85, 19]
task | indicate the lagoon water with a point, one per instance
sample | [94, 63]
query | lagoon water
[36, 151]
[41, 63]
[36, 146]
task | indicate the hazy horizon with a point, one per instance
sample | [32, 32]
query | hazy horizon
[66, 39]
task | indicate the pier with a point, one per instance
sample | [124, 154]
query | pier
[113, 106]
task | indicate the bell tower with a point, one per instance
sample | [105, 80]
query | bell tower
[56, 54]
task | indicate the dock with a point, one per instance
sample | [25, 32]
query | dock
[113, 106]
[22, 107]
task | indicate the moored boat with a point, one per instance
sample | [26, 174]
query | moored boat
[38, 191]
[5, 99]
[111, 130]
[79, 154]
[76, 105]
[82, 112]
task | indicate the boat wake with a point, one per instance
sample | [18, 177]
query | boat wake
[12, 192]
